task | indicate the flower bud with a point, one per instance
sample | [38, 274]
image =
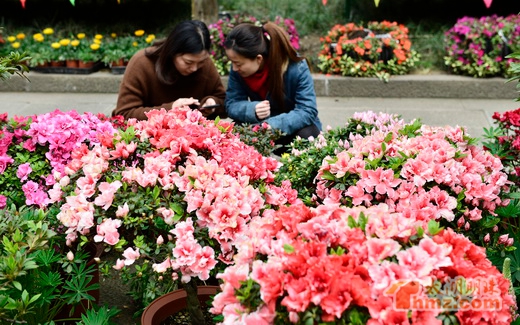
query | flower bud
[503, 239]
[70, 256]
[487, 238]
[160, 240]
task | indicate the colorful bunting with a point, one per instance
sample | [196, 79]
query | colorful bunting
[488, 3]
[376, 2]
[23, 3]
[73, 2]
[322, 1]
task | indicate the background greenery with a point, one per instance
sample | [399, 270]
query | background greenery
[426, 19]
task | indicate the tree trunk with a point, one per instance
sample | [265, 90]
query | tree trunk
[205, 10]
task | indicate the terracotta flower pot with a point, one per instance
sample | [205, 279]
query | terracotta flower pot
[84, 65]
[72, 63]
[169, 304]
[57, 63]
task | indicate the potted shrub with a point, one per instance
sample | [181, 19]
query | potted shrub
[378, 49]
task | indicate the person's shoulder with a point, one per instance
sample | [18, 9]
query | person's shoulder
[298, 66]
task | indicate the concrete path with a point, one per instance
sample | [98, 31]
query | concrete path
[475, 114]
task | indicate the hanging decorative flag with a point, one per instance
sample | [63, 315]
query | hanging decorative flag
[23, 3]
[73, 2]
[323, 1]
[488, 3]
[118, 2]
[376, 2]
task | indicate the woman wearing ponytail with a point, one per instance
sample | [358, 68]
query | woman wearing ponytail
[269, 82]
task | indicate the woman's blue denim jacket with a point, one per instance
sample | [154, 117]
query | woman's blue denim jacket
[300, 100]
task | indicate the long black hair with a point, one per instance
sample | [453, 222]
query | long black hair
[190, 36]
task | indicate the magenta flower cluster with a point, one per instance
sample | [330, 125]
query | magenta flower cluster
[479, 46]
[36, 150]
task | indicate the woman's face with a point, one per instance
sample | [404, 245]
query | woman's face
[245, 67]
[188, 63]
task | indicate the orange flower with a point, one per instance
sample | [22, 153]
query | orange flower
[359, 50]
[339, 49]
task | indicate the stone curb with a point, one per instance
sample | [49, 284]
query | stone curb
[407, 86]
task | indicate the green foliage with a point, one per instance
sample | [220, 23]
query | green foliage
[261, 137]
[514, 70]
[13, 63]
[37, 278]
[310, 16]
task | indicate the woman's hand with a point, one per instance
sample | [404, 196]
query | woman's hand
[207, 112]
[185, 102]
[263, 110]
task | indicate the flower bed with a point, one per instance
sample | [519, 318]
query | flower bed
[359, 265]
[67, 50]
[170, 194]
[478, 47]
[378, 49]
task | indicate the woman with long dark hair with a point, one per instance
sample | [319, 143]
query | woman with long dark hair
[269, 82]
[176, 71]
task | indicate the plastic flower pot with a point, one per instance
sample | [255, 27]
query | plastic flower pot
[173, 302]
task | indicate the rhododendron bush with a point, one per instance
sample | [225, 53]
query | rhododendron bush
[359, 265]
[34, 151]
[171, 194]
[426, 173]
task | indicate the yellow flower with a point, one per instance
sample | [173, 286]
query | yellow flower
[20, 36]
[139, 32]
[38, 37]
[94, 46]
[150, 38]
[55, 45]
[135, 44]
[64, 42]
[98, 37]
[15, 45]
[11, 39]
[113, 35]
[96, 41]
[81, 35]
[74, 43]
[48, 31]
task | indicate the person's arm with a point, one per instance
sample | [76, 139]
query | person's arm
[138, 81]
[300, 86]
[238, 106]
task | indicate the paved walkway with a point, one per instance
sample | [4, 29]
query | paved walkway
[475, 114]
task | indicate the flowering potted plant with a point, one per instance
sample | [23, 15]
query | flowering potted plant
[220, 29]
[171, 194]
[378, 49]
[479, 47]
[359, 265]
[34, 150]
